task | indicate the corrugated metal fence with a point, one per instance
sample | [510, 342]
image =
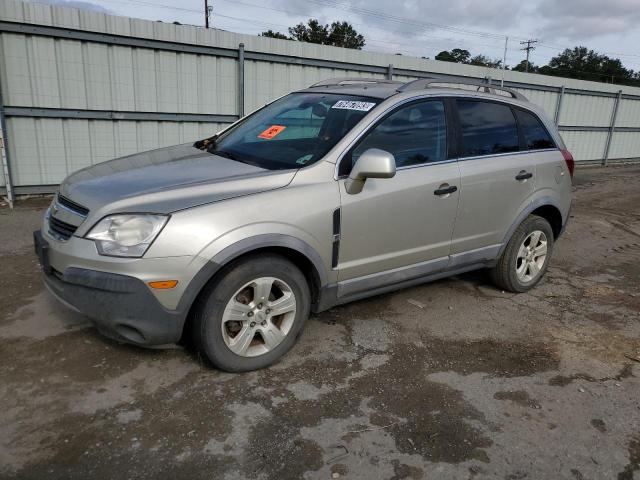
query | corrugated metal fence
[81, 87]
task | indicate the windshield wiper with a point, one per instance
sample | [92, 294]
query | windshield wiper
[226, 154]
[207, 144]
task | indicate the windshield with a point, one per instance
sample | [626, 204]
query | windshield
[292, 132]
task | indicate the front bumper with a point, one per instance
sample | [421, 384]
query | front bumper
[121, 306]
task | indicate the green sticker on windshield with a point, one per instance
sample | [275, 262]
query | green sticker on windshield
[304, 159]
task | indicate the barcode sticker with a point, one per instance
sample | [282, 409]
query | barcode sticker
[353, 105]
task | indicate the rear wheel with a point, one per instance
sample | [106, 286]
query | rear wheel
[253, 314]
[526, 257]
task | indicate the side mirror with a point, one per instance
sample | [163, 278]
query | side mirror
[373, 163]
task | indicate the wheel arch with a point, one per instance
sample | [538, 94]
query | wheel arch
[545, 207]
[291, 248]
[552, 215]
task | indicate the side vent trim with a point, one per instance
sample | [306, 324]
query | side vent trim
[335, 249]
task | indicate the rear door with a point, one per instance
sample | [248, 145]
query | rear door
[401, 222]
[551, 169]
[497, 178]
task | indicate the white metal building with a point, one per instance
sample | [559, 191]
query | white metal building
[81, 87]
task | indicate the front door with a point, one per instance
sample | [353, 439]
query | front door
[399, 228]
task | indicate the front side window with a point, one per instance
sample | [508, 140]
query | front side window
[414, 134]
[487, 128]
[536, 136]
[292, 132]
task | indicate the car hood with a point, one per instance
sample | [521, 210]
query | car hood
[166, 180]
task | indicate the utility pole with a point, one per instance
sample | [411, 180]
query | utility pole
[529, 46]
[504, 59]
[207, 12]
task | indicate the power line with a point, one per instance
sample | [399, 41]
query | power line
[345, 7]
[342, 6]
[141, 2]
[363, 11]
[256, 22]
[369, 39]
[616, 54]
[337, 4]
[402, 20]
[395, 19]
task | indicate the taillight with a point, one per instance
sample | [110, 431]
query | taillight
[571, 164]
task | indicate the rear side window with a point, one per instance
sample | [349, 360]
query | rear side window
[487, 128]
[536, 136]
[415, 134]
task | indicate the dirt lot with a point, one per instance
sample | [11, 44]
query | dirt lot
[453, 379]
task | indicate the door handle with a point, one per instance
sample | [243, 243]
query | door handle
[445, 189]
[524, 175]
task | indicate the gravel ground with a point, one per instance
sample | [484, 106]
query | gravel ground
[453, 379]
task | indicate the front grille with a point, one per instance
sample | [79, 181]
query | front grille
[71, 205]
[61, 229]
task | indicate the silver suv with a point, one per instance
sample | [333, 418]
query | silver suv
[347, 189]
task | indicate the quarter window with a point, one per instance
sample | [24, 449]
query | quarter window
[487, 128]
[414, 134]
[535, 135]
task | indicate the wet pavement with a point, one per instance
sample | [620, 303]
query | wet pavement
[453, 379]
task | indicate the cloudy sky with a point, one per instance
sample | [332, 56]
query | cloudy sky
[422, 27]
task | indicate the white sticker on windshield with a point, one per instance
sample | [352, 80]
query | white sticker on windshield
[353, 105]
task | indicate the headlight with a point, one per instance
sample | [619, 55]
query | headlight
[126, 235]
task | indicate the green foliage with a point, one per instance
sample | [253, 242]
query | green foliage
[272, 34]
[522, 67]
[577, 62]
[338, 34]
[312, 32]
[585, 64]
[342, 34]
[459, 55]
[482, 61]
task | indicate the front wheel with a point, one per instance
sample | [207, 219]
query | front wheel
[526, 257]
[252, 314]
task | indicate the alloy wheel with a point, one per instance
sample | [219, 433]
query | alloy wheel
[258, 317]
[532, 255]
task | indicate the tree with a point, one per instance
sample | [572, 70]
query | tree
[312, 32]
[584, 64]
[522, 67]
[342, 34]
[272, 34]
[457, 55]
[482, 61]
[339, 34]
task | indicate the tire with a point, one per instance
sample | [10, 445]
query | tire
[230, 329]
[517, 273]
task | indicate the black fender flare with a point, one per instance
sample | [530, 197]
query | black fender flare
[535, 204]
[239, 248]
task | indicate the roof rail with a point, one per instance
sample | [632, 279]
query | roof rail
[349, 81]
[423, 83]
